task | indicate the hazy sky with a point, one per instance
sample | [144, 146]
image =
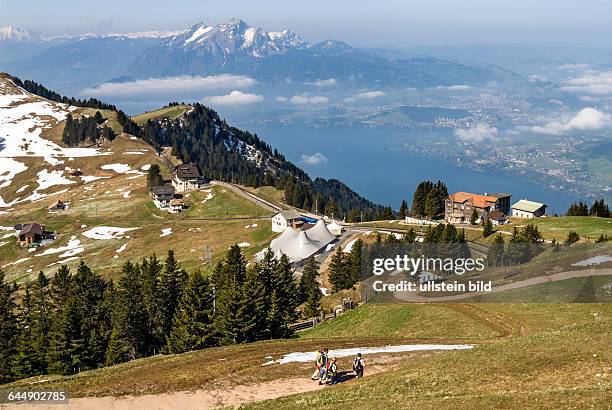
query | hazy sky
[361, 23]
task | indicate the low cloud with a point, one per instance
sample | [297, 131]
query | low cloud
[478, 133]
[330, 82]
[233, 98]
[367, 95]
[593, 83]
[178, 84]
[586, 119]
[315, 159]
[281, 99]
[305, 99]
[574, 67]
[457, 87]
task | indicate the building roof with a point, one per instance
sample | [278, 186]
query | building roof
[479, 201]
[497, 215]
[187, 171]
[31, 228]
[298, 244]
[177, 202]
[289, 214]
[527, 206]
[501, 195]
[163, 190]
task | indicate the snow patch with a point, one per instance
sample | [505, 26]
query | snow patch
[165, 232]
[301, 357]
[106, 232]
[595, 260]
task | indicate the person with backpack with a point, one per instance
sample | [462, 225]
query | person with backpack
[358, 365]
[333, 371]
[323, 365]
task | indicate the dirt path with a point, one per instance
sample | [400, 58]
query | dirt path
[413, 297]
[199, 399]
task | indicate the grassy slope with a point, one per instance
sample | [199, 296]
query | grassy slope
[101, 203]
[549, 356]
[558, 228]
[403, 321]
[564, 364]
[164, 112]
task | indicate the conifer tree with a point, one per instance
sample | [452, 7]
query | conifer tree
[403, 210]
[8, 330]
[192, 326]
[173, 278]
[339, 275]
[487, 229]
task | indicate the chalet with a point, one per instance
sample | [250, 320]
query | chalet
[528, 209]
[286, 218]
[162, 195]
[498, 218]
[187, 177]
[57, 206]
[459, 207]
[33, 234]
[176, 205]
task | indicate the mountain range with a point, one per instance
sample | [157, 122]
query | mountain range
[71, 63]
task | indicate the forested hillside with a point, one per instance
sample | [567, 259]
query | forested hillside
[229, 154]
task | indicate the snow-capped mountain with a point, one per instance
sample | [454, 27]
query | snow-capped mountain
[234, 38]
[10, 33]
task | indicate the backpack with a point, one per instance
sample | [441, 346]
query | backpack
[357, 366]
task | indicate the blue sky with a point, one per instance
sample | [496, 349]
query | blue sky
[361, 23]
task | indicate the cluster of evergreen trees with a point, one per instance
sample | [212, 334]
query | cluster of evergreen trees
[599, 208]
[79, 321]
[428, 199]
[345, 267]
[202, 137]
[523, 245]
[86, 129]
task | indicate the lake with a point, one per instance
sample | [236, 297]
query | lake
[367, 160]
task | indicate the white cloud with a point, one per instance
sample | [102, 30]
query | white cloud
[330, 82]
[366, 95]
[574, 67]
[164, 85]
[314, 159]
[457, 87]
[281, 99]
[233, 98]
[594, 83]
[478, 133]
[586, 119]
[305, 99]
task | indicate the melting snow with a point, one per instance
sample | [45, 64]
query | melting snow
[595, 260]
[244, 244]
[9, 168]
[145, 167]
[311, 356]
[91, 178]
[349, 246]
[106, 232]
[121, 248]
[165, 232]
[72, 248]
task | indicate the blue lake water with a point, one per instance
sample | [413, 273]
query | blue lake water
[369, 161]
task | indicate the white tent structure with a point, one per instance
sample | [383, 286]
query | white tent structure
[335, 228]
[298, 244]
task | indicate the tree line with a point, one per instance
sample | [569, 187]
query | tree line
[79, 320]
[523, 245]
[598, 208]
[86, 129]
[226, 153]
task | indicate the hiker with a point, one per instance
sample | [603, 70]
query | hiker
[333, 371]
[317, 372]
[322, 365]
[358, 365]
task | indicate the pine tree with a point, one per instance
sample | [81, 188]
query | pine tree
[354, 261]
[308, 281]
[495, 254]
[9, 335]
[474, 217]
[285, 295]
[192, 325]
[22, 361]
[487, 229]
[403, 209]
[154, 177]
[173, 279]
[339, 275]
